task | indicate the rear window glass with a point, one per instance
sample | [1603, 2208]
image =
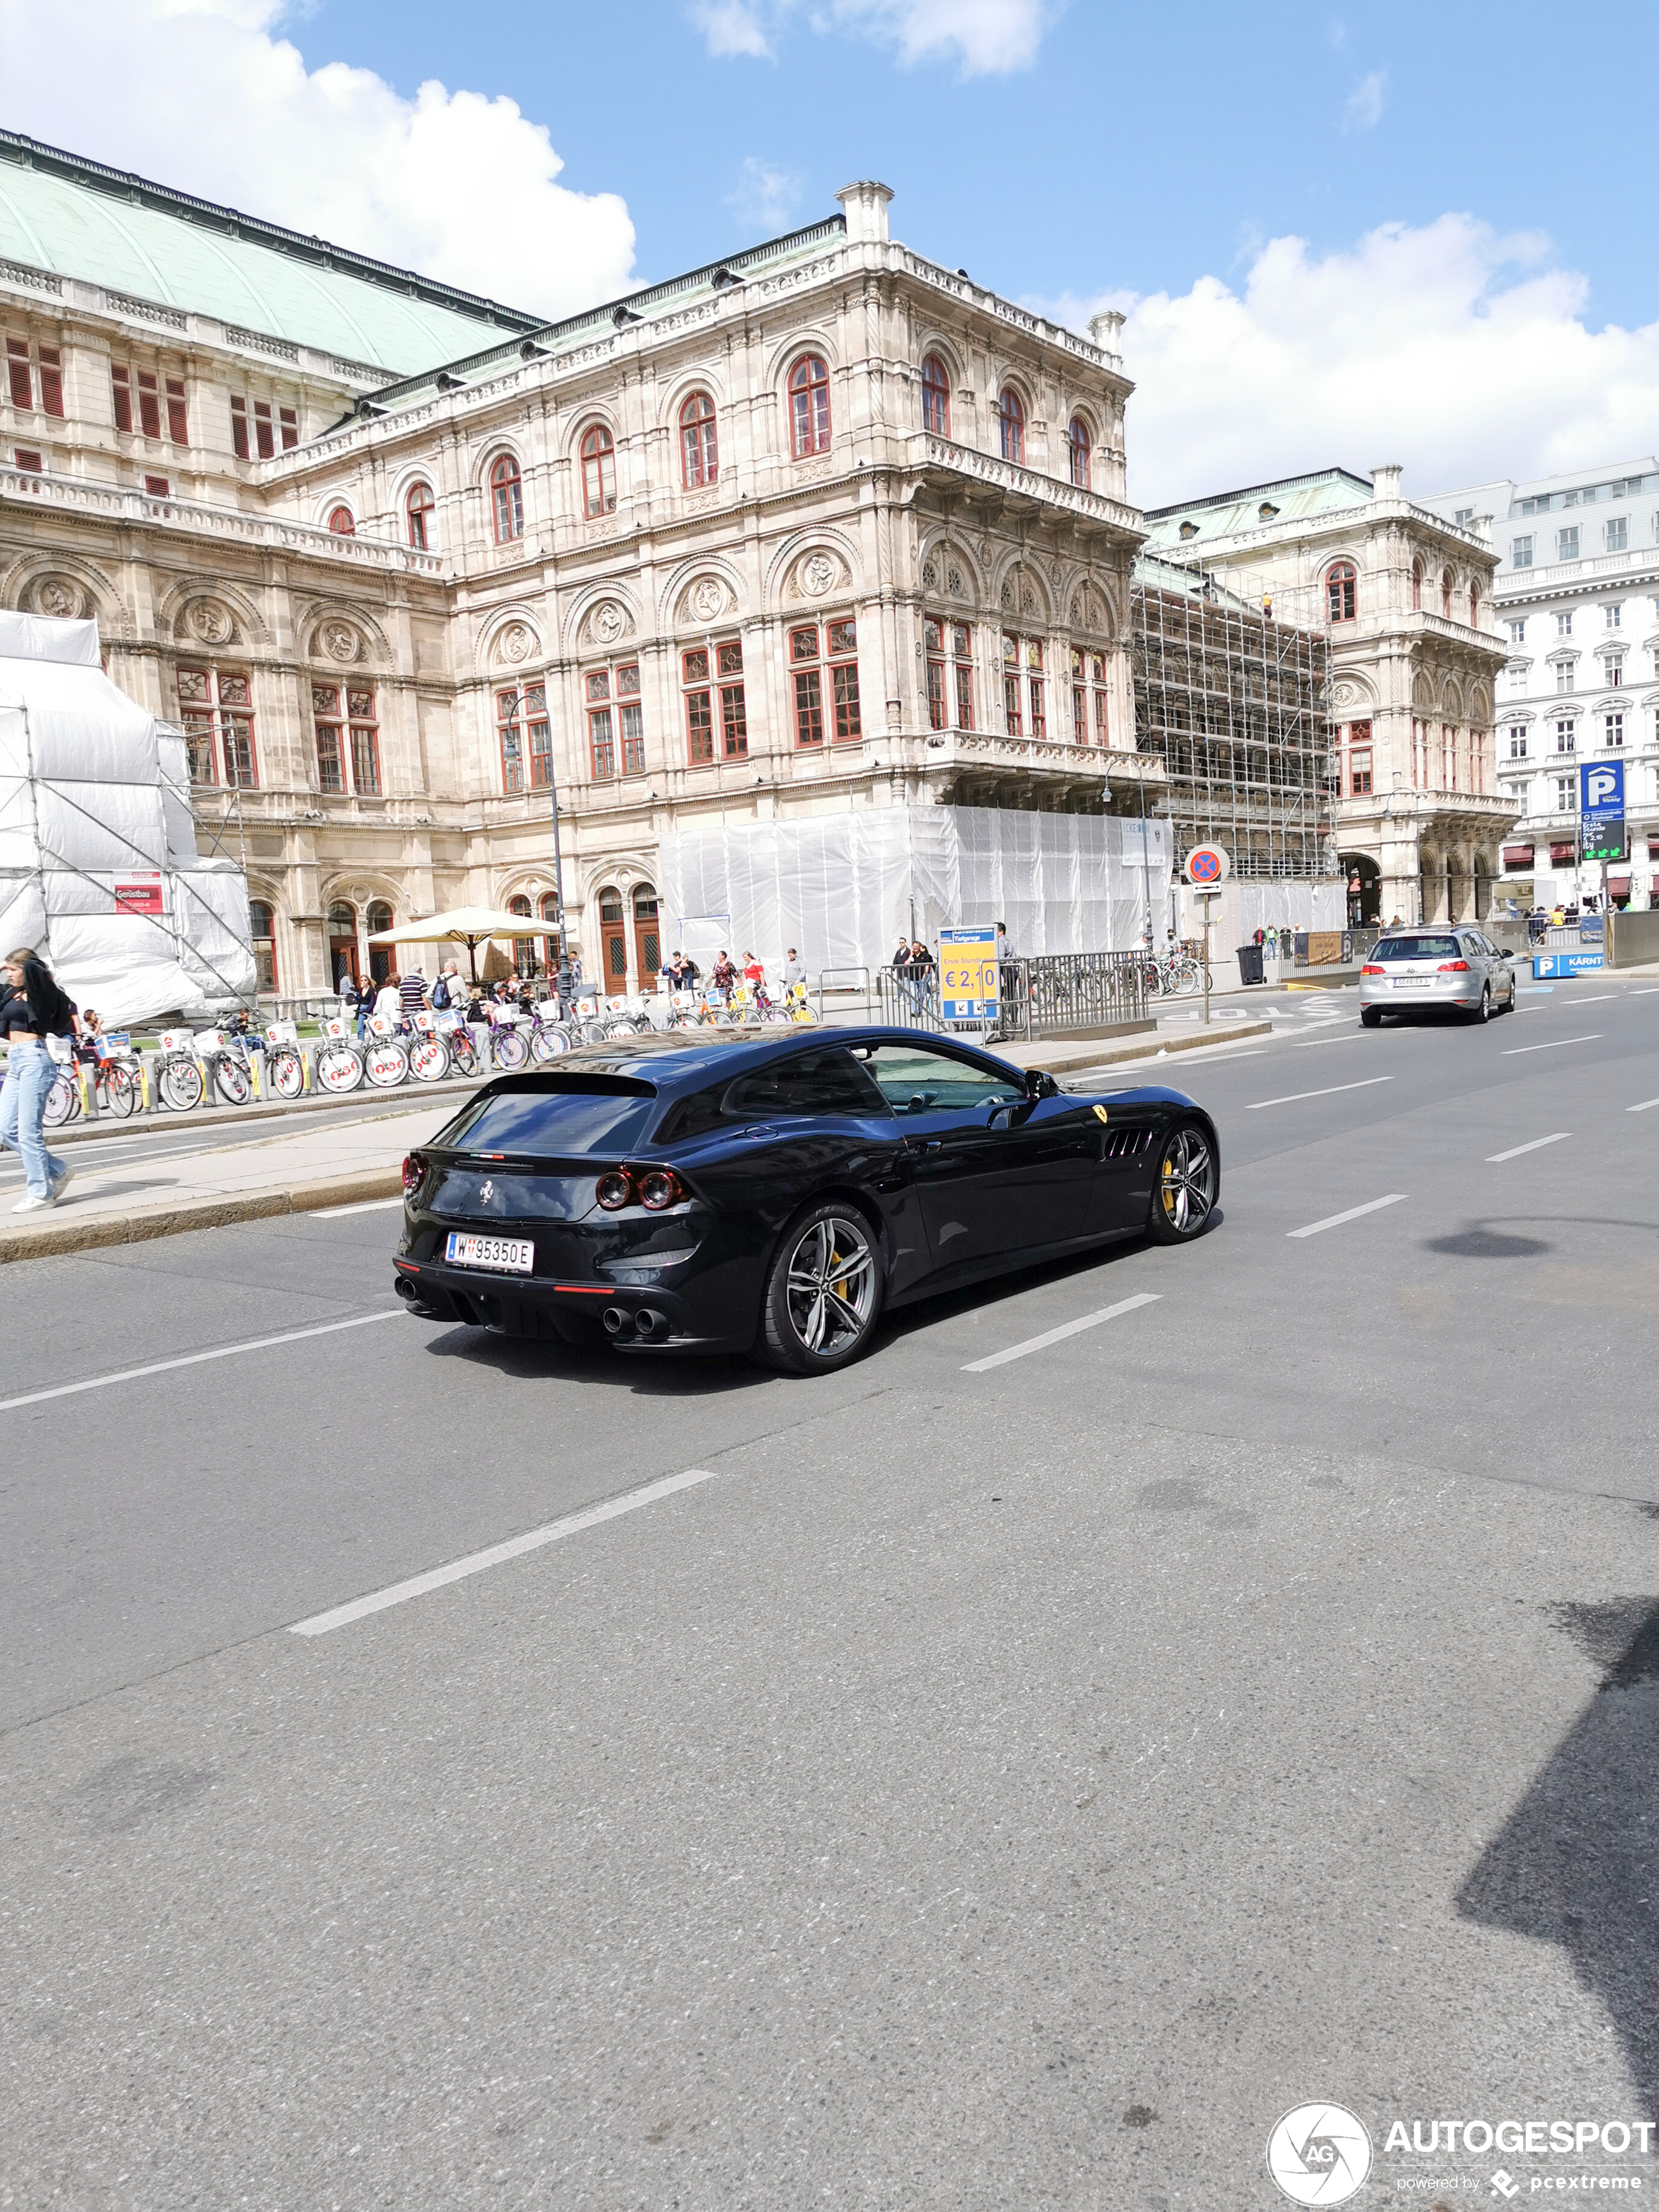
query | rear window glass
[550, 1124]
[1415, 948]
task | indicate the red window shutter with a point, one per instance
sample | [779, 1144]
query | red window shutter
[123, 392]
[239, 428]
[29, 463]
[51, 381]
[290, 426]
[150, 406]
[17, 375]
[157, 486]
[262, 432]
[178, 421]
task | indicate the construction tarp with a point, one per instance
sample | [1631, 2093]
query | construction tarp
[841, 888]
[98, 869]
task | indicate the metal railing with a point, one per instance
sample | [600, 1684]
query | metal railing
[1051, 995]
[845, 983]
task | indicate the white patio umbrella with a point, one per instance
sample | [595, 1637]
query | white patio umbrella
[469, 926]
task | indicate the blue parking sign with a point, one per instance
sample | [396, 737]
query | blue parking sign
[1601, 787]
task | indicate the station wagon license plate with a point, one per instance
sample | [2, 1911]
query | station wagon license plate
[514, 1255]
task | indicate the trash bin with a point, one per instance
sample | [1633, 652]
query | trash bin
[1249, 963]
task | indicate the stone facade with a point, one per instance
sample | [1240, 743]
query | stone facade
[1405, 596]
[385, 637]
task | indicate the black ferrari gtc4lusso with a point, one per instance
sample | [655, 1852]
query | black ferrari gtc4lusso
[773, 1194]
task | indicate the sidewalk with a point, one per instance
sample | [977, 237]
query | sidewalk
[137, 1199]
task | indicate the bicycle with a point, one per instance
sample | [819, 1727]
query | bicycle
[429, 1052]
[121, 1076]
[457, 1042]
[550, 1036]
[339, 1059]
[386, 1061]
[285, 1065]
[796, 1006]
[180, 1082]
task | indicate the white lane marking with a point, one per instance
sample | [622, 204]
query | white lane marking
[1554, 1044]
[1306, 1044]
[359, 1205]
[552, 1532]
[1537, 1145]
[1335, 1220]
[1644, 1107]
[196, 1358]
[1057, 1335]
[1647, 991]
[1292, 1097]
[1600, 999]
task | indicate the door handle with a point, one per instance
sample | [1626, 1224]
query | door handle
[919, 1147]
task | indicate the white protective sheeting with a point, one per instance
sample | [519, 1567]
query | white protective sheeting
[94, 826]
[1244, 907]
[840, 888]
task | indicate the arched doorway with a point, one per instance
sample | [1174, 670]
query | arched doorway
[613, 941]
[262, 928]
[379, 956]
[1364, 882]
[550, 944]
[342, 943]
[648, 937]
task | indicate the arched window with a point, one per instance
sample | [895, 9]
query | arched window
[1341, 589]
[935, 397]
[1417, 587]
[699, 456]
[379, 956]
[262, 928]
[507, 493]
[419, 507]
[1011, 414]
[342, 941]
[598, 472]
[524, 948]
[342, 522]
[550, 944]
[1474, 606]
[648, 941]
[613, 941]
[1078, 442]
[1446, 592]
[809, 407]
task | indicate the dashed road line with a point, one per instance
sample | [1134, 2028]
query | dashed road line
[1335, 1220]
[1559, 1137]
[1057, 1335]
[475, 1563]
[358, 1206]
[1644, 1107]
[1554, 1045]
[197, 1358]
[1291, 1097]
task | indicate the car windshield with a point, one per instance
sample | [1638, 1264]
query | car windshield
[549, 1124]
[1415, 948]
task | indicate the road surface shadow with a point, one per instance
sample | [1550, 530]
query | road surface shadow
[1574, 1864]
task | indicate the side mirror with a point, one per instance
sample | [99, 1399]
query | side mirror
[1040, 1085]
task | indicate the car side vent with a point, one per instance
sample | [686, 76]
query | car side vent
[1124, 1144]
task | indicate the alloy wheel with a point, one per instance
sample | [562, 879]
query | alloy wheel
[831, 1285]
[1186, 1191]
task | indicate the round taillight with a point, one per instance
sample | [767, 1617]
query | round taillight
[613, 1191]
[659, 1188]
[414, 1169]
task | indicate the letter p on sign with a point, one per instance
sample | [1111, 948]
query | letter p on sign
[1601, 785]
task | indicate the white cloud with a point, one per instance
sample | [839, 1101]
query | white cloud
[1365, 109]
[985, 37]
[203, 96]
[1448, 347]
[765, 198]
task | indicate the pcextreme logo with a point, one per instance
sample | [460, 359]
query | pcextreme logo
[1319, 2155]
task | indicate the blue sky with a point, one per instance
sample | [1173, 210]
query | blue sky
[1418, 234]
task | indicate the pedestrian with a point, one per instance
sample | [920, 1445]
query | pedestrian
[753, 973]
[89, 1037]
[794, 973]
[411, 994]
[722, 976]
[388, 1002]
[33, 1009]
[441, 993]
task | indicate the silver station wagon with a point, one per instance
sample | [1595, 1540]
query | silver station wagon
[1411, 971]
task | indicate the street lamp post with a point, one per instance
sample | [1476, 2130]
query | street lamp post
[514, 699]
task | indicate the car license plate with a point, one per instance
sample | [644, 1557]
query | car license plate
[514, 1255]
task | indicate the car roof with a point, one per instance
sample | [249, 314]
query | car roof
[677, 1060]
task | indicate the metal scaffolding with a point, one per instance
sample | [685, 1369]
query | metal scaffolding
[1236, 705]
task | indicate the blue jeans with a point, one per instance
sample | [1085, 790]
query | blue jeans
[29, 1074]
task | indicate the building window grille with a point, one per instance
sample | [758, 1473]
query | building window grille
[525, 738]
[823, 661]
[1566, 543]
[507, 500]
[215, 706]
[1520, 553]
[347, 729]
[1077, 446]
[809, 407]
[598, 473]
[1615, 533]
[1341, 592]
[949, 673]
[419, 508]
[614, 712]
[1011, 415]
[1023, 703]
[262, 930]
[935, 397]
[699, 459]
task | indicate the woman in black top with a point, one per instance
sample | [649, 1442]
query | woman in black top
[33, 1009]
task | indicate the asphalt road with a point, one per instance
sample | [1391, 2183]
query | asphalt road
[975, 1786]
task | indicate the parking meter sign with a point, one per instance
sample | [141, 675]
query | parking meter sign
[968, 984]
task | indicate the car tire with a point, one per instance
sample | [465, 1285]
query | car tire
[809, 1324]
[1482, 1013]
[1372, 1017]
[1187, 1186]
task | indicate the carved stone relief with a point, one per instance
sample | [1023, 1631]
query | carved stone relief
[210, 621]
[57, 595]
[817, 573]
[339, 641]
[706, 600]
[516, 643]
[929, 576]
[607, 623]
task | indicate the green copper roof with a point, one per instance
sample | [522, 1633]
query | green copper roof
[75, 218]
[1224, 514]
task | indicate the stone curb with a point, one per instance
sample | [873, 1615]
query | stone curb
[57, 1234]
[406, 1098]
[1076, 1057]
